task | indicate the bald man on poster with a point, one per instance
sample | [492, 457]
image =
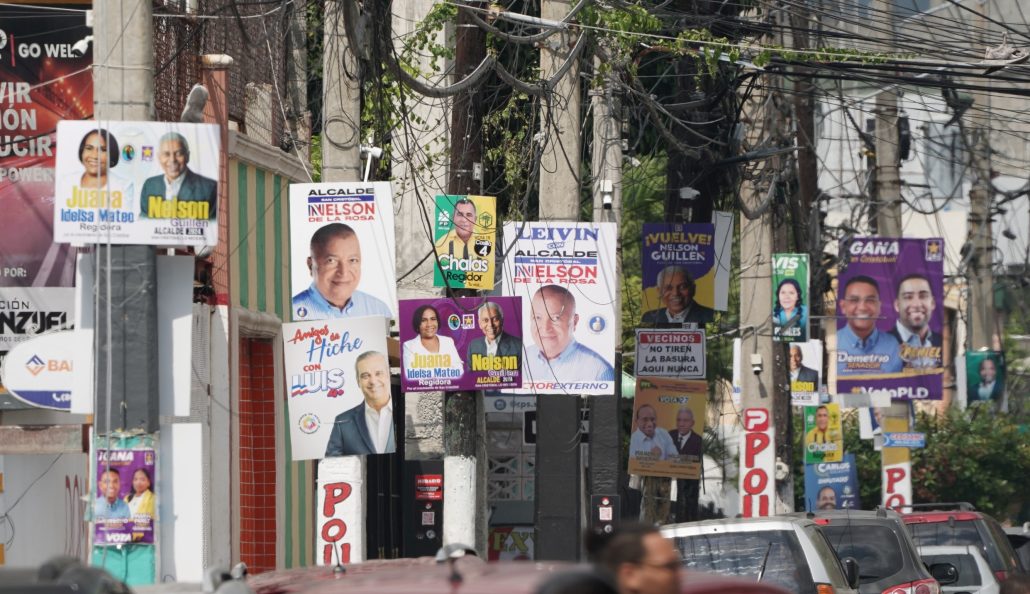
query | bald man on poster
[557, 354]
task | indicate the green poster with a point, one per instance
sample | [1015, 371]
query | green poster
[985, 375]
[465, 234]
[790, 297]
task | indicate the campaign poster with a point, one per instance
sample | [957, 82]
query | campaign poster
[140, 183]
[985, 375]
[511, 543]
[468, 343]
[124, 502]
[42, 81]
[334, 368]
[342, 251]
[672, 352]
[668, 428]
[790, 297]
[678, 274]
[805, 369]
[465, 235]
[889, 317]
[565, 275]
[832, 485]
[824, 437]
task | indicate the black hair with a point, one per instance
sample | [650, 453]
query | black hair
[861, 278]
[416, 320]
[132, 492]
[112, 145]
[797, 287]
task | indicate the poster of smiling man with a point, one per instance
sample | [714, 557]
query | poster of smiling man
[678, 274]
[565, 274]
[466, 238]
[889, 317]
[668, 428]
[124, 506]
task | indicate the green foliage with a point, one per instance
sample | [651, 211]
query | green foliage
[509, 130]
[316, 158]
[867, 459]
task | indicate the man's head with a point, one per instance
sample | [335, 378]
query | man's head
[554, 319]
[464, 218]
[1015, 584]
[110, 484]
[684, 420]
[491, 320]
[173, 154]
[795, 358]
[914, 303]
[827, 499]
[335, 262]
[675, 288]
[822, 418]
[373, 372]
[647, 420]
[639, 558]
[861, 304]
[988, 371]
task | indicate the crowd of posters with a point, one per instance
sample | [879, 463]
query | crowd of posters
[824, 438]
[342, 251]
[467, 343]
[338, 373]
[670, 353]
[668, 428]
[123, 511]
[790, 297]
[832, 485]
[985, 375]
[145, 183]
[889, 298]
[805, 369]
[465, 235]
[678, 274]
[565, 275]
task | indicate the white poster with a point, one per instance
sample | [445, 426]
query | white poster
[28, 311]
[342, 251]
[805, 370]
[670, 353]
[565, 274]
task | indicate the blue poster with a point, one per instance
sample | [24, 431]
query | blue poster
[832, 485]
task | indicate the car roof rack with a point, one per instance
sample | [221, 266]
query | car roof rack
[959, 505]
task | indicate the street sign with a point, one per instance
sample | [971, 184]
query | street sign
[904, 440]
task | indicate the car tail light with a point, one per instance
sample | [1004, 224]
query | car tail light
[1001, 575]
[929, 586]
[823, 589]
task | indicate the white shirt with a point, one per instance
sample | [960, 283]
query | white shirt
[640, 445]
[985, 390]
[491, 347]
[379, 424]
[172, 187]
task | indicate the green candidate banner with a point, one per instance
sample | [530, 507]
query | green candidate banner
[824, 437]
[465, 235]
[790, 292]
[985, 375]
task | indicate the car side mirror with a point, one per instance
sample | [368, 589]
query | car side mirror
[945, 573]
[851, 571]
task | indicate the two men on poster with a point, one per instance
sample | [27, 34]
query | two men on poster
[668, 426]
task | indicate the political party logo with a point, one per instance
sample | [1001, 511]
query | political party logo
[302, 312]
[597, 324]
[148, 154]
[468, 321]
[483, 247]
[934, 250]
[308, 423]
[453, 322]
[35, 365]
[128, 153]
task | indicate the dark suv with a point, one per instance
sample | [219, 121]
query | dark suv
[935, 524]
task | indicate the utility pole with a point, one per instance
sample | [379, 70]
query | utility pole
[341, 101]
[887, 188]
[980, 274]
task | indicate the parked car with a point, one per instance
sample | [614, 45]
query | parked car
[787, 551]
[1019, 538]
[974, 575]
[938, 525]
[887, 558]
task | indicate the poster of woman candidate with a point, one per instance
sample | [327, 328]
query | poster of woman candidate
[338, 377]
[123, 507]
[888, 318]
[678, 274]
[465, 236]
[790, 297]
[668, 427]
[469, 343]
[985, 375]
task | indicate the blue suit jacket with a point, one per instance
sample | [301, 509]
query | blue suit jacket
[350, 434]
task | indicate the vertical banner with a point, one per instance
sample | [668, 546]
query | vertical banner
[790, 297]
[824, 438]
[123, 511]
[889, 323]
[43, 81]
[565, 274]
[805, 369]
[668, 428]
[338, 375]
[342, 251]
[832, 485]
[468, 343]
[340, 529]
[757, 464]
[678, 274]
[465, 235]
[985, 375]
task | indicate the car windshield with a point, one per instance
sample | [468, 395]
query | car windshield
[960, 532]
[968, 572]
[876, 548]
[742, 554]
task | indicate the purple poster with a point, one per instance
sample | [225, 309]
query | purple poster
[678, 274]
[889, 318]
[123, 510]
[468, 343]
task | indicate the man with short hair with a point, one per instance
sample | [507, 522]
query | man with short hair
[179, 193]
[368, 427]
[676, 290]
[821, 432]
[826, 499]
[335, 266]
[463, 226]
[109, 506]
[495, 342]
[688, 443]
[800, 373]
[861, 347]
[649, 440]
[638, 558]
[920, 347]
[557, 354]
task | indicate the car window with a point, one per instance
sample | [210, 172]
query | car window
[958, 532]
[876, 548]
[1001, 543]
[968, 572]
[742, 554]
[830, 559]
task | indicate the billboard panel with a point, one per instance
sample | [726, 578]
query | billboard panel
[824, 438]
[832, 485]
[790, 297]
[123, 510]
[805, 369]
[668, 428]
[678, 274]
[465, 235]
[985, 375]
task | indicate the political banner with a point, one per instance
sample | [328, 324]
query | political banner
[889, 322]
[140, 183]
[906, 439]
[342, 251]
[565, 274]
[123, 509]
[985, 375]
[338, 374]
[668, 428]
[468, 343]
[670, 353]
[805, 370]
[790, 297]
[832, 485]
[678, 274]
[824, 438]
[465, 235]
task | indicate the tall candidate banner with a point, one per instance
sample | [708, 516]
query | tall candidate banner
[889, 300]
[832, 485]
[465, 235]
[668, 427]
[565, 274]
[824, 436]
[140, 183]
[790, 297]
[342, 251]
[124, 506]
[468, 343]
[678, 273]
[42, 81]
[333, 368]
